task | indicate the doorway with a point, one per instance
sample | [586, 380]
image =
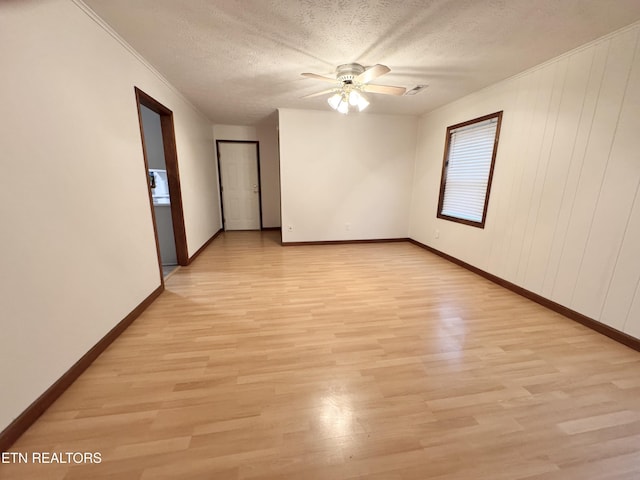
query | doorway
[163, 180]
[239, 173]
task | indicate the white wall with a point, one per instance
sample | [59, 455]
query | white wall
[235, 132]
[564, 214]
[345, 177]
[198, 172]
[267, 132]
[78, 252]
[153, 138]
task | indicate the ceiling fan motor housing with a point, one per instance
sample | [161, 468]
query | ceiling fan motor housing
[347, 72]
[351, 82]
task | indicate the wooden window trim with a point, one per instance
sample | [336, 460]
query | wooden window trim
[443, 175]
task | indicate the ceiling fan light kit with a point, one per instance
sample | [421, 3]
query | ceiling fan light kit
[341, 100]
[352, 80]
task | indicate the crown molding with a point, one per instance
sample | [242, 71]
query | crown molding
[107, 28]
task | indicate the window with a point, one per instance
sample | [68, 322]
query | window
[467, 169]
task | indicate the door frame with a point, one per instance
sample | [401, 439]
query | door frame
[173, 176]
[257, 144]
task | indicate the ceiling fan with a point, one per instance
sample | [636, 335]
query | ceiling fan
[351, 82]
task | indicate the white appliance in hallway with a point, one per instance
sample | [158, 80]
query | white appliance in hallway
[159, 186]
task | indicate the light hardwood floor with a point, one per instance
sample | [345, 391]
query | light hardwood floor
[369, 361]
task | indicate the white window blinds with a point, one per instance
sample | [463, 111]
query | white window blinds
[467, 170]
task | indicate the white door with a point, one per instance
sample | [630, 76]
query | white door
[240, 186]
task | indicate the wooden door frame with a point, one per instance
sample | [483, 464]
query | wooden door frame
[257, 144]
[173, 175]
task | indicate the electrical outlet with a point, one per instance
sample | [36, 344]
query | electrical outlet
[347, 226]
[436, 233]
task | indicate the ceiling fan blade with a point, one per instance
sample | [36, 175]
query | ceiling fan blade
[371, 73]
[319, 77]
[317, 94]
[384, 89]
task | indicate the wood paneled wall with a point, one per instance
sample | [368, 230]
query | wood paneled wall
[564, 213]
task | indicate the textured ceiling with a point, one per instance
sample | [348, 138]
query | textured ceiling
[239, 60]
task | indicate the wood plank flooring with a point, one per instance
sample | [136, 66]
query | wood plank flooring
[367, 361]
